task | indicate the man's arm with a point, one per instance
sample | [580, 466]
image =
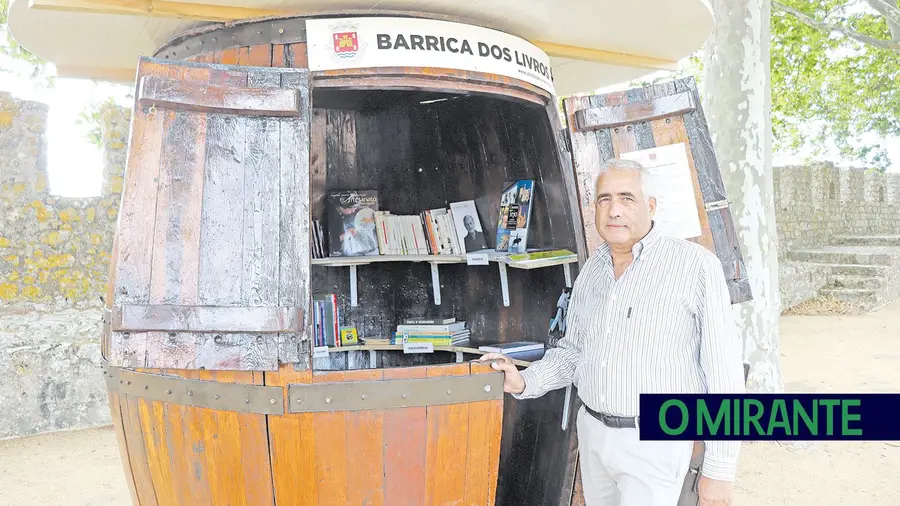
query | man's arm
[557, 368]
[721, 350]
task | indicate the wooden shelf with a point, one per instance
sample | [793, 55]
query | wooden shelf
[372, 348]
[365, 260]
[503, 260]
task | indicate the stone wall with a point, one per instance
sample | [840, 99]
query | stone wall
[817, 203]
[54, 264]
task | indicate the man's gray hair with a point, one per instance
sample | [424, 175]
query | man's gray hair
[619, 163]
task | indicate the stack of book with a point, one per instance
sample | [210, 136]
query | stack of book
[431, 232]
[326, 320]
[437, 331]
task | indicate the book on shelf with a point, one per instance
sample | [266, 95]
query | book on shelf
[451, 334]
[429, 320]
[351, 223]
[326, 320]
[317, 238]
[468, 226]
[515, 216]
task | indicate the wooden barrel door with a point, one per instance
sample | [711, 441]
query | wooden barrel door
[206, 332]
[210, 272]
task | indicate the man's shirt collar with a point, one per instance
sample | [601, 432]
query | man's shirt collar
[640, 247]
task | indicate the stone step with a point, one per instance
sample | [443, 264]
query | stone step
[851, 269]
[869, 240]
[861, 297]
[854, 281]
[843, 257]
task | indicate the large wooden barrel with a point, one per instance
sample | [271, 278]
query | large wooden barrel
[214, 392]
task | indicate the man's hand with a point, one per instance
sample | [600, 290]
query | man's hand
[714, 492]
[513, 382]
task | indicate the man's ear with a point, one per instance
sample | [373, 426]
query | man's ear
[652, 204]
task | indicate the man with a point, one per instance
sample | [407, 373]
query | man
[474, 240]
[648, 314]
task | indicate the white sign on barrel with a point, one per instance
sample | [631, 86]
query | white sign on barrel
[347, 43]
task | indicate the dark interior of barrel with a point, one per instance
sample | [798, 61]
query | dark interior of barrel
[425, 150]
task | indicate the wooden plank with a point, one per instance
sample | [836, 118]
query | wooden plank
[137, 213]
[189, 318]
[672, 131]
[446, 447]
[137, 452]
[331, 449]
[294, 222]
[259, 55]
[261, 216]
[317, 164]
[159, 459]
[278, 56]
[176, 242]
[365, 449]
[483, 447]
[292, 443]
[404, 449]
[201, 97]
[234, 447]
[634, 112]
[119, 428]
[220, 279]
[298, 56]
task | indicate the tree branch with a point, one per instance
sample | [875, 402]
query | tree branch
[826, 27]
[891, 13]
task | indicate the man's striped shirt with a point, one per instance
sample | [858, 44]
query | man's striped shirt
[665, 326]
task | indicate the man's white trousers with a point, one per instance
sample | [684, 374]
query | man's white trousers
[618, 469]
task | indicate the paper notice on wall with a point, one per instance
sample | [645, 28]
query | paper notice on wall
[677, 214]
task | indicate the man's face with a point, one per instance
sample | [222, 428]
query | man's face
[622, 214]
[469, 223]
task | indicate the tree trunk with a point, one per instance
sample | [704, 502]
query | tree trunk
[737, 102]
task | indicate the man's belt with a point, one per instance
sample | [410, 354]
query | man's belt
[616, 422]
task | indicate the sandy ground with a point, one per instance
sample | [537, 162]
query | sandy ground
[859, 353]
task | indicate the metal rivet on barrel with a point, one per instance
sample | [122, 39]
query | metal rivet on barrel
[281, 30]
[216, 396]
[487, 388]
[668, 120]
[121, 381]
[616, 130]
[404, 396]
[628, 128]
[448, 392]
[247, 400]
[259, 340]
[271, 401]
[190, 393]
[215, 39]
[126, 335]
[218, 339]
[146, 387]
[363, 396]
[328, 400]
[169, 391]
[128, 382]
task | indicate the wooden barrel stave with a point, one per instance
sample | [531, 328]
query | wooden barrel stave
[424, 455]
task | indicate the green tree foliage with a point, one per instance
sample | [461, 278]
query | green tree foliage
[836, 77]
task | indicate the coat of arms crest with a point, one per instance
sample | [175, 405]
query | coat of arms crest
[345, 41]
